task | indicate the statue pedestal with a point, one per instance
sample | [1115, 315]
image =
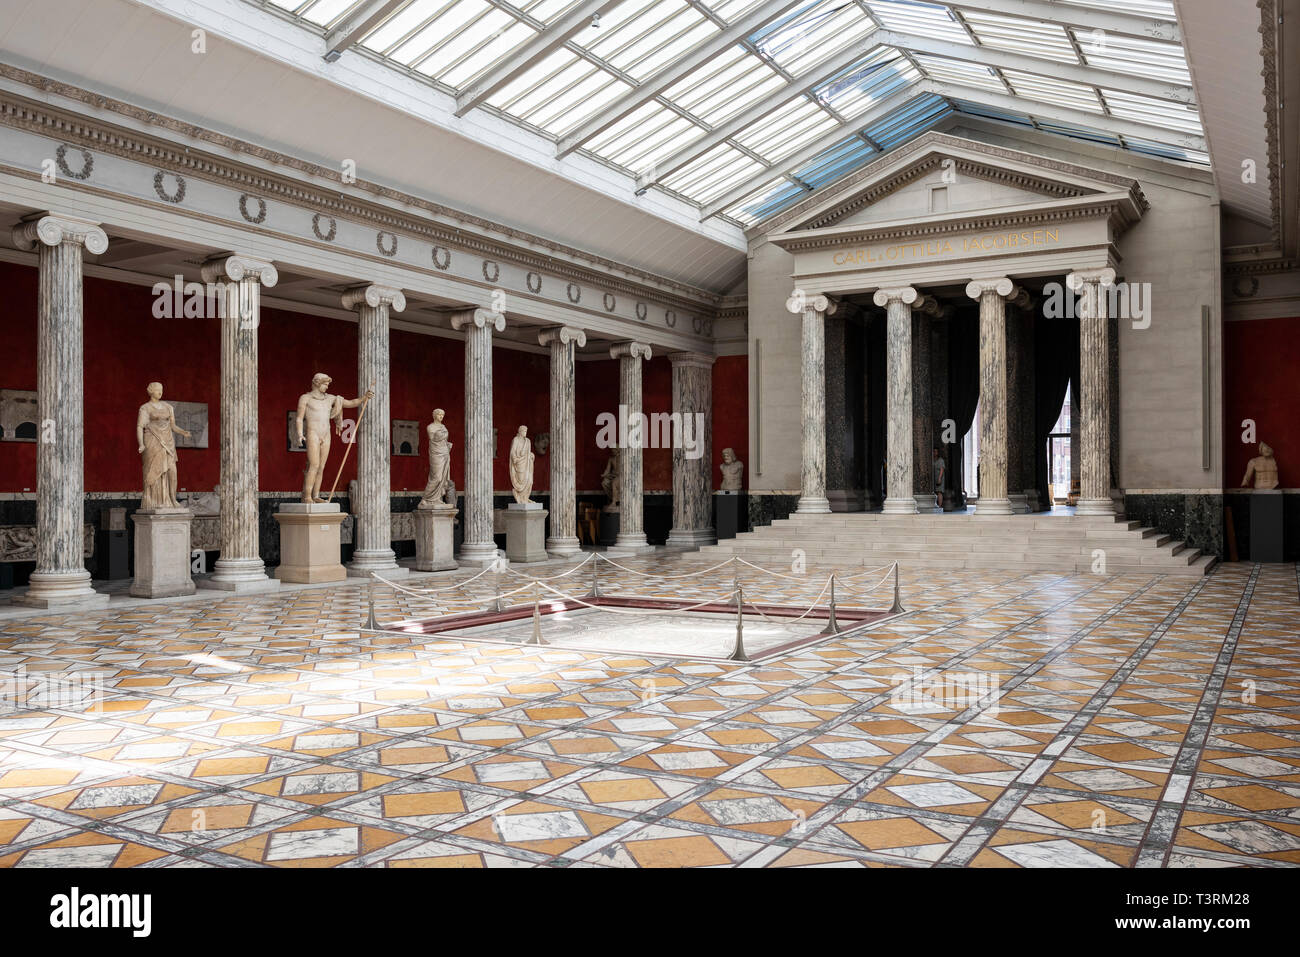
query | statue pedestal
[162, 553]
[610, 520]
[732, 513]
[310, 543]
[435, 538]
[526, 532]
[1266, 525]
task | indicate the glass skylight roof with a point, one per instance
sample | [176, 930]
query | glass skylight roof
[745, 106]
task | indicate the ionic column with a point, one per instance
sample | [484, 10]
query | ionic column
[60, 577]
[1020, 401]
[563, 341]
[900, 487]
[477, 324]
[992, 295]
[939, 400]
[240, 280]
[1094, 391]
[923, 489]
[631, 528]
[814, 310]
[692, 484]
[374, 528]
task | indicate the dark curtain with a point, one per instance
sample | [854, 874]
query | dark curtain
[1056, 356]
[963, 388]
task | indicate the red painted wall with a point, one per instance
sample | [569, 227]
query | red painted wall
[730, 412]
[1260, 359]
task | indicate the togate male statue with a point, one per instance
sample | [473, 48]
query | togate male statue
[439, 490]
[521, 466]
[315, 410]
[154, 426]
[732, 470]
[1263, 468]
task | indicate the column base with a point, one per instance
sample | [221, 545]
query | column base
[1095, 506]
[813, 505]
[899, 506]
[381, 560]
[993, 506]
[477, 553]
[563, 547]
[241, 576]
[631, 543]
[927, 504]
[691, 537]
[70, 590]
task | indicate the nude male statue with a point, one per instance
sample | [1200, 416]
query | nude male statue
[315, 410]
[1262, 468]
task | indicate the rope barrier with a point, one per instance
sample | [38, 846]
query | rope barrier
[638, 611]
[634, 571]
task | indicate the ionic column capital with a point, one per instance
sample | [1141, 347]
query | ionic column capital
[635, 349]
[374, 296]
[1001, 285]
[478, 318]
[235, 267]
[50, 229]
[800, 302]
[1104, 276]
[698, 360]
[904, 294]
[562, 334]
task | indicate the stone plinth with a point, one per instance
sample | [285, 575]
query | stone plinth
[435, 538]
[162, 553]
[1266, 525]
[310, 543]
[731, 509]
[610, 519]
[526, 532]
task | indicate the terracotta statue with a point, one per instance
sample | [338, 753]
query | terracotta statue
[439, 490]
[154, 428]
[1263, 468]
[610, 482]
[732, 470]
[315, 410]
[521, 466]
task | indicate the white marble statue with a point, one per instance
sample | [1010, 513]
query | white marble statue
[732, 470]
[155, 426]
[521, 466]
[315, 411]
[439, 490]
[1262, 468]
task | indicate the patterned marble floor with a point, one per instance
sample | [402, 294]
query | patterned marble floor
[1140, 722]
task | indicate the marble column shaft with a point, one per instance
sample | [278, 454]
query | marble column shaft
[477, 324]
[899, 495]
[60, 576]
[373, 542]
[241, 279]
[1094, 391]
[992, 295]
[813, 310]
[563, 342]
[631, 526]
[922, 392]
[939, 397]
[692, 481]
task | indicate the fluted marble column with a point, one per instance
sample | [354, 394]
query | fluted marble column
[692, 484]
[939, 400]
[899, 485]
[373, 539]
[923, 310]
[60, 577]
[992, 295]
[477, 324]
[563, 340]
[814, 310]
[1020, 401]
[1094, 391]
[631, 523]
[240, 279]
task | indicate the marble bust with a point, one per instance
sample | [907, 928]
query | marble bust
[316, 409]
[155, 425]
[611, 484]
[1263, 468]
[439, 491]
[732, 471]
[521, 466]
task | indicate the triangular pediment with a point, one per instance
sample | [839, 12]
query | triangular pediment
[938, 174]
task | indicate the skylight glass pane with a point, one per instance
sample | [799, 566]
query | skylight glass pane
[835, 162]
[499, 47]
[473, 42]
[324, 12]
[1079, 132]
[559, 92]
[908, 121]
[1145, 109]
[924, 19]
[801, 40]
[407, 21]
[854, 92]
[993, 113]
[726, 85]
[644, 40]
[797, 127]
[955, 71]
[1057, 92]
[1043, 40]
[1162, 9]
[731, 10]
[443, 29]
[1166, 150]
[647, 134]
[772, 197]
[713, 174]
[1148, 58]
[548, 11]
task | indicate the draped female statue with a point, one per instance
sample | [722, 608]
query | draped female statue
[154, 427]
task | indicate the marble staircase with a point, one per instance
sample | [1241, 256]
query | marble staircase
[1058, 543]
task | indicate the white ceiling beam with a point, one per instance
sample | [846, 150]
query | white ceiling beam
[1079, 17]
[356, 25]
[1101, 122]
[766, 106]
[1004, 60]
[531, 53]
[788, 166]
[656, 83]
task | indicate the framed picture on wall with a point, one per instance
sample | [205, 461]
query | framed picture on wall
[17, 415]
[405, 437]
[193, 418]
[292, 435]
